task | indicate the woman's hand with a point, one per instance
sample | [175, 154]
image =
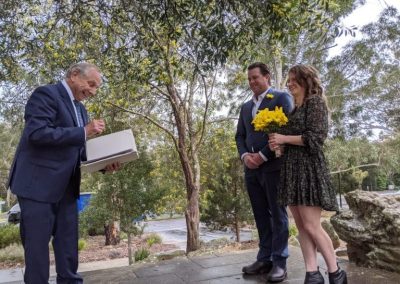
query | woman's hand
[276, 140]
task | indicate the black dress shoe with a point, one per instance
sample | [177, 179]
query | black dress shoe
[278, 274]
[314, 277]
[258, 267]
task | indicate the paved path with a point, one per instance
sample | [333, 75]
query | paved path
[216, 268]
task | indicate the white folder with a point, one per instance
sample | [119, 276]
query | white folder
[107, 149]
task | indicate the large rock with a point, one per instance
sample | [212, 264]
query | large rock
[331, 233]
[371, 228]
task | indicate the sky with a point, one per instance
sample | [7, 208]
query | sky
[365, 14]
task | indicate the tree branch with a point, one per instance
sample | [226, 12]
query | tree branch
[355, 167]
[149, 119]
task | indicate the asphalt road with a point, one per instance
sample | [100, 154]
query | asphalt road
[173, 231]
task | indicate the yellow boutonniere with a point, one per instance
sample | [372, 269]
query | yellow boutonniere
[270, 96]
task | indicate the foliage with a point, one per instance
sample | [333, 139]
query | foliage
[81, 244]
[293, 232]
[361, 83]
[9, 234]
[9, 137]
[303, 45]
[12, 253]
[225, 202]
[153, 239]
[141, 253]
[122, 196]
[167, 177]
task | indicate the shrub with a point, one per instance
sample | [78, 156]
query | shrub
[81, 244]
[12, 253]
[9, 234]
[153, 239]
[141, 254]
[293, 232]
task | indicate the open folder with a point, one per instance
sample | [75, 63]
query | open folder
[107, 149]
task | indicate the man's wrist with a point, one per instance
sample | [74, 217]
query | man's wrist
[244, 155]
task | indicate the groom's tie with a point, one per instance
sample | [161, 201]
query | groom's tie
[79, 113]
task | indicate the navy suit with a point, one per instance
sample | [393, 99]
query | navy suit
[262, 183]
[45, 176]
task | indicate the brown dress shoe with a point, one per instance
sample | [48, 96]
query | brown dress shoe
[258, 267]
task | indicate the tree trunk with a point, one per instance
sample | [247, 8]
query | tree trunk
[130, 258]
[192, 215]
[111, 232]
[192, 212]
[237, 228]
[277, 72]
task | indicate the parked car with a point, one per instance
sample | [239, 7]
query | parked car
[14, 214]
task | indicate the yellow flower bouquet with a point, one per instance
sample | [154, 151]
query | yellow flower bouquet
[270, 121]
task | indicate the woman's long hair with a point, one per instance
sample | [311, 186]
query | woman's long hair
[307, 77]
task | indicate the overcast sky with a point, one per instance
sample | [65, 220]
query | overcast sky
[361, 16]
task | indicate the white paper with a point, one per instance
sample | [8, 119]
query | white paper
[107, 149]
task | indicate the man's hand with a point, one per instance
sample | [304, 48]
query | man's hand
[250, 162]
[257, 159]
[96, 126]
[113, 167]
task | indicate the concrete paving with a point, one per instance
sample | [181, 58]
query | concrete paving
[218, 268]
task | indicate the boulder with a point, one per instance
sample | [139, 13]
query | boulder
[371, 229]
[331, 233]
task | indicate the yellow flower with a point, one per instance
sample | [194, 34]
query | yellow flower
[270, 96]
[269, 120]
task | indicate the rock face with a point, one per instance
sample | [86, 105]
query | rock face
[371, 228]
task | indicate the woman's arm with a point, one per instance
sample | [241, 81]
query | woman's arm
[276, 139]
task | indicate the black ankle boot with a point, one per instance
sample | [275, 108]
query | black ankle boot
[338, 277]
[314, 277]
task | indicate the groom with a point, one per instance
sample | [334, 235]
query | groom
[262, 171]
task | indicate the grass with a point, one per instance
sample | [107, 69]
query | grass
[141, 254]
[152, 239]
[12, 253]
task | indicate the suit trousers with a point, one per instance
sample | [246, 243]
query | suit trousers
[271, 218]
[39, 222]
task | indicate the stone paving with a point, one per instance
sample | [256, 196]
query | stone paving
[223, 268]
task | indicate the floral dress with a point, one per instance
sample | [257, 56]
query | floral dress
[305, 179]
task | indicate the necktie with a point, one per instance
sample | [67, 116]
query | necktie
[79, 113]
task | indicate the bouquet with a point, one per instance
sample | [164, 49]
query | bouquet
[270, 121]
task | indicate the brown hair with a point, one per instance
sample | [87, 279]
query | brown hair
[264, 70]
[307, 77]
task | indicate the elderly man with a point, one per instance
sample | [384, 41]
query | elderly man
[45, 174]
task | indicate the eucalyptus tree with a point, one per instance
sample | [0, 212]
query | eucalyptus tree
[307, 43]
[161, 57]
[364, 80]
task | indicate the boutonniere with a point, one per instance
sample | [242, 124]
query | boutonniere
[269, 96]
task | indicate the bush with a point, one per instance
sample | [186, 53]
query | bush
[153, 239]
[141, 254]
[12, 253]
[293, 232]
[9, 234]
[81, 244]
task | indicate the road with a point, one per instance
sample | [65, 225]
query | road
[173, 231]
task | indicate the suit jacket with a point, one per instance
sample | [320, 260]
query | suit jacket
[249, 140]
[51, 148]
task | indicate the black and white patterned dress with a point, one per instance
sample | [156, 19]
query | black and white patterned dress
[305, 179]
